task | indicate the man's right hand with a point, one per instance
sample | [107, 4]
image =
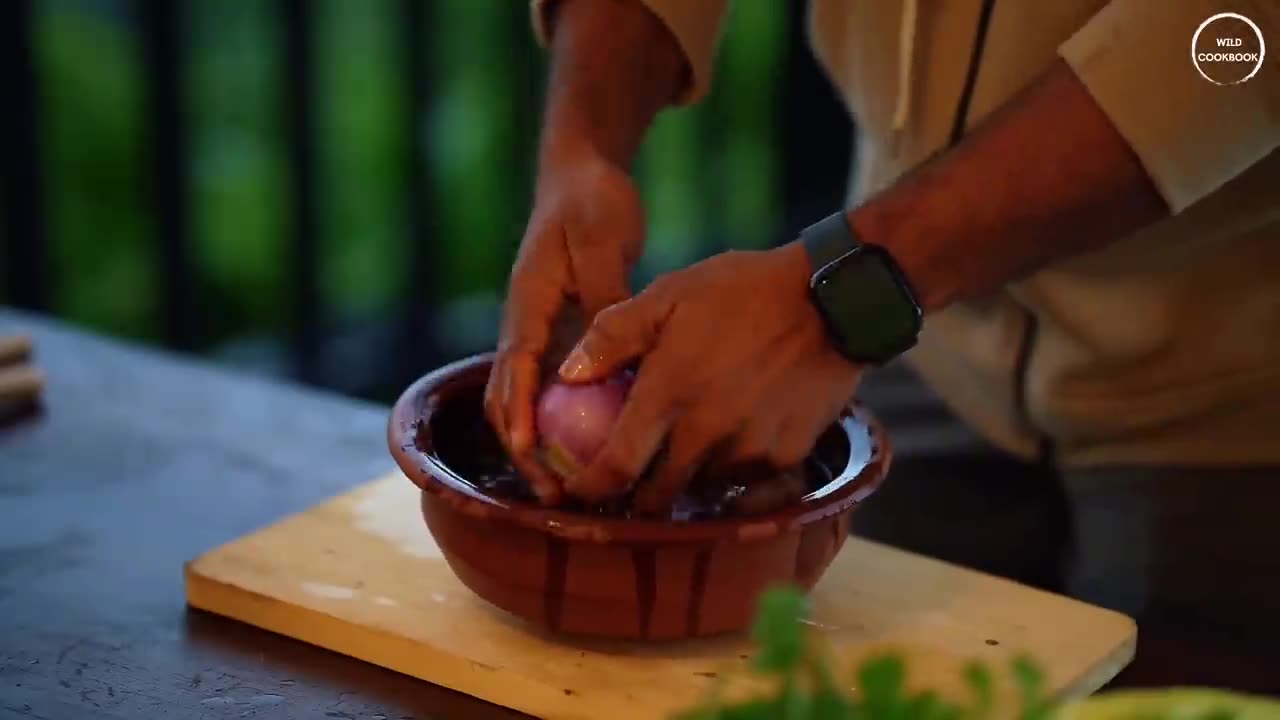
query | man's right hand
[614, 67]
[585, 233]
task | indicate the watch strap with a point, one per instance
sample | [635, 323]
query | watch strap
[828, 240]
[867, 303]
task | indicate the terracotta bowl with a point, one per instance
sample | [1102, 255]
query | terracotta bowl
[592, 575]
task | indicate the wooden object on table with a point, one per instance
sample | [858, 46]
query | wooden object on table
[360, 575]
[614, 578]
[110, 470]
[20, 382]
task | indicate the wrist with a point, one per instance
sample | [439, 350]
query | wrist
[570, 155]
[871, 311]
[905, 233]
[571, 136]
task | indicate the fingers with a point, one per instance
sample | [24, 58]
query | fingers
[638, 432]
[535, 298]
[794, 441]
[618, 334]
[693, 438]
[750, 447]
[495, 399]
[545, 484]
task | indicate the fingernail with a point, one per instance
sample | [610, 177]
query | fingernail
[576, 366]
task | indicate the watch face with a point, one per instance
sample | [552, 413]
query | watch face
[866, 306]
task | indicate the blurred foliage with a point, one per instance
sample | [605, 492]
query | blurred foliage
[710, 174]
[712, 170]
[99, 222]
[239, 181]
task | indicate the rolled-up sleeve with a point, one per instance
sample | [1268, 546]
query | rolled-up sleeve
[1191, 135]
[696, 25]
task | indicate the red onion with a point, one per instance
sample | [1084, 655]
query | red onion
[574, 420]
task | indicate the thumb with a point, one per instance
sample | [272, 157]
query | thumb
[618, 334]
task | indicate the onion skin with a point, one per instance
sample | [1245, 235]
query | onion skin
[574, 421]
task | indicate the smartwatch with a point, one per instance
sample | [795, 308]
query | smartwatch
[868, 305]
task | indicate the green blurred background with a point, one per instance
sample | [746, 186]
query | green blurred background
[732, 171]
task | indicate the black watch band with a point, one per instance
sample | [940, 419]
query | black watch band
[828, 240]
[867, 303]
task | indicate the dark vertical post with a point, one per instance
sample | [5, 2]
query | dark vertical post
[817, 136]
[296, 19]
[26, 245]
[162, 27]
[417, 332]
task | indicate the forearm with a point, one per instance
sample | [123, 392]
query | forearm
[614, 66]
[1044, 178]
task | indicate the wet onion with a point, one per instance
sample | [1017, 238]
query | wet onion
[574, 420]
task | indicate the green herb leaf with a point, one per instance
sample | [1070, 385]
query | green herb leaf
[778, 630]
[950, 712]
[1030, 682]
[751, 710]
[929, 705]
[830, 704]
[978, 677]
[922, 706]
[1028, 677]
[792, 703]
[882, 682]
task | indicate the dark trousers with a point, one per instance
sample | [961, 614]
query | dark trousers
[1191, 546]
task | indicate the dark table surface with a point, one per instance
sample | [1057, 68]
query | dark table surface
[138, 461]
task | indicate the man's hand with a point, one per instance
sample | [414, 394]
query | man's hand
[614, 67]
[586, 231]
[735, 369]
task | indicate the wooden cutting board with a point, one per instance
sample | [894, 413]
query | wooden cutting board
[360, 575]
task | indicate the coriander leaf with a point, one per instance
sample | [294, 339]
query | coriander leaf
[778, 630]
[950, 712]
[923, 706]
[751, 710]
[1030, 681]
[882, 683]
[829, 703]
[792, 703]
[1028, 677]
[978, 678]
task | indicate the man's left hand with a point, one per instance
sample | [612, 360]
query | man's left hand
[734, 369]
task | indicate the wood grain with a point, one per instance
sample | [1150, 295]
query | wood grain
[358, 575]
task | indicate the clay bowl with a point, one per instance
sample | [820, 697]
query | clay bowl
[614, 577]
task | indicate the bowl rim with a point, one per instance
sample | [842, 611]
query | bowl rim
[423, 397]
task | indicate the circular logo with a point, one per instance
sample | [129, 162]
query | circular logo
[1227, 49]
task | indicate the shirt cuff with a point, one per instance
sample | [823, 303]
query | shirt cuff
[697, 26]
[1191, 135]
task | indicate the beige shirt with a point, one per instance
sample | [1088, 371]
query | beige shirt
[1162, 348]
